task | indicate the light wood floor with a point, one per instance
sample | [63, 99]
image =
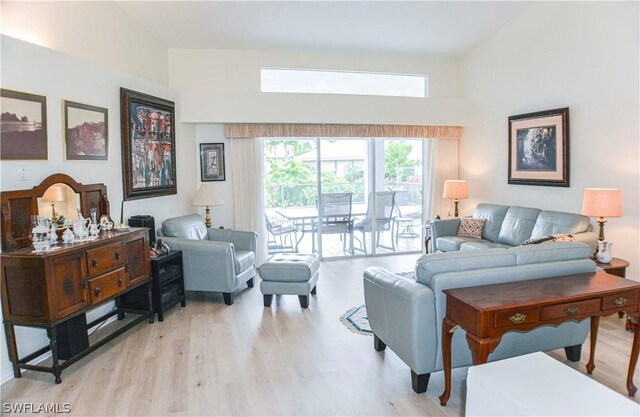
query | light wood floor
[210, 359]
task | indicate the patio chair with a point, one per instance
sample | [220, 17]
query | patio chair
[385, 205]
[279, 232]
[335, 214]
[405, 225]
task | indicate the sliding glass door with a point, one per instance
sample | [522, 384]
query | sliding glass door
[343, 196]
[344, 166]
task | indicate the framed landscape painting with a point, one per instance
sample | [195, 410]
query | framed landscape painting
[212, 162]
[23, 125]
[539, 148]
[148, 145]
[86, 132]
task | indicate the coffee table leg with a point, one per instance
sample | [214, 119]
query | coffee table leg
[448, 327]
[481, 348]
[595, 321]
[635, 349]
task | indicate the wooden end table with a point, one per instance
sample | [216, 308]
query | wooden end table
[489, 311]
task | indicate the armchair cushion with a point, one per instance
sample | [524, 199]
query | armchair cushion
[244, 260]
[186, 227]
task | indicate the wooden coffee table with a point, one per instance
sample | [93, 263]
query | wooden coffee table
[487, 312]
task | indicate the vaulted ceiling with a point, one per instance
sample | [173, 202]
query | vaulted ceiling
[444, 29]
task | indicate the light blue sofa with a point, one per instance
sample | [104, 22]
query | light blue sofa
[406, 314]
[216, 260]
[508, 226]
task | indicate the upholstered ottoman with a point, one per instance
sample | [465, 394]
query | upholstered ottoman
[289, 273]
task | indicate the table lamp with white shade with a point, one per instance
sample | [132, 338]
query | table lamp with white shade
[207, 196]
[53, 195]
[602, 203]
[455, 190]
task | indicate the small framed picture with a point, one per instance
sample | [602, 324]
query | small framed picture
[23, 125]
[539, 148]
[86, 132]
[212, 162]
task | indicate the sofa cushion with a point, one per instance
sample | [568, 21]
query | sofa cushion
[517, 225]
[452, 243]
[470, 227]
[245, 259]
[190, 226]
[437, 263]
[554, 222]
[493, 214]
[560, 237]
[562, 251]
[483, 244]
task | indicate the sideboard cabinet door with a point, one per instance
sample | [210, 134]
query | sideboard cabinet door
[138, 264]
[69, 289]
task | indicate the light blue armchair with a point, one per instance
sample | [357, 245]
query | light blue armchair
[216, 260]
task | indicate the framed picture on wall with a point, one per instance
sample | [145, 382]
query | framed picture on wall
[148, 145]
[539, 148]
[212, 162]
[86, 132]
[23, 125]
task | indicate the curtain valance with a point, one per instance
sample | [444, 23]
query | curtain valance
[283, 130]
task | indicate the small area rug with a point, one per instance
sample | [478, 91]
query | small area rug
[356, 320]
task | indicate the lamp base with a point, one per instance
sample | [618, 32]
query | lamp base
[601, 222]
[207, 218]
[455, 210]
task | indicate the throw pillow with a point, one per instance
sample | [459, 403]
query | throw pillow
[470, 227]
[560, 237]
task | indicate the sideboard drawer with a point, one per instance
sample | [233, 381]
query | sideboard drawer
[107, 285]
[105, 258]
[567, 310]
[516, 316]
[620, 301]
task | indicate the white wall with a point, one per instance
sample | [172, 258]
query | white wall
[99, 32]
[223, 86]
[30, 68]
[220, 215]
[582, 55]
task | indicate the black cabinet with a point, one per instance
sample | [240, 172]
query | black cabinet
[168, 282]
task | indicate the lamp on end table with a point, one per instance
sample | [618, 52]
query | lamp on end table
[602, 203]
[455, 190]
[207, 197]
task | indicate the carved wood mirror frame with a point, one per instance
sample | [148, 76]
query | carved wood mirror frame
[19, 205]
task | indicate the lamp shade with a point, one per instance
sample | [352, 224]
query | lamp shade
[602, 202]
[455, 189]
[53, 194]
[207, 196]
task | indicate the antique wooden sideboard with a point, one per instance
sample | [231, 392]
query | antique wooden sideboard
[54, 290]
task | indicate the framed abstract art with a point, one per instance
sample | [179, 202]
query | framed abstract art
[148, 145]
